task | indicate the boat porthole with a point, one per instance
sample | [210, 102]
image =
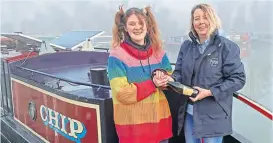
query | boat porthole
[32, 111]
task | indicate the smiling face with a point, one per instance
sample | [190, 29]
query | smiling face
[136, 28]
[201, 23]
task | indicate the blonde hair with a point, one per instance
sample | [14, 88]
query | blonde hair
[214, 20]
[118, 31]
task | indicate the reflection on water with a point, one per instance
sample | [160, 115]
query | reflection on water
[258, 62]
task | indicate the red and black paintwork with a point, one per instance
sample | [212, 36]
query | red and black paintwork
[94, 113]
[25, 91]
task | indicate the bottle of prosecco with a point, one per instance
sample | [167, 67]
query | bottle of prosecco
[183, 89]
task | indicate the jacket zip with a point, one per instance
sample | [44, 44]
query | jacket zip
[199, 73]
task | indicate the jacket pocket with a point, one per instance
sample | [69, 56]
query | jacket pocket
[212, 110]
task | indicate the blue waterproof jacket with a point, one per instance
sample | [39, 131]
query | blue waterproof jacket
[218, 69]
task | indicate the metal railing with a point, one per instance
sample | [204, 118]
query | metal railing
[64, 79]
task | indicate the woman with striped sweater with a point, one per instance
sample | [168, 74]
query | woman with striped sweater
[141, 110]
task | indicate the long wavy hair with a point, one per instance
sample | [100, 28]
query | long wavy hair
[214, 20]
[121, 17]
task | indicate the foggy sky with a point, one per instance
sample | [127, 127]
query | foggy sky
[55, 17]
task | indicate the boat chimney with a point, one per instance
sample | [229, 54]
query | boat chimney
[98, 75]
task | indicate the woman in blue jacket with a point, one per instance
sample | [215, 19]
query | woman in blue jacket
[210, 63]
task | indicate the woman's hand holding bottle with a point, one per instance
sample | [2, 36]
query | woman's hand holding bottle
[161, 79]
[203, 93]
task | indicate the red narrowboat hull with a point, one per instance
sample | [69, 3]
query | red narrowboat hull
[77, 121]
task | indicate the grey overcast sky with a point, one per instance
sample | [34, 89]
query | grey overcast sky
[53, 17]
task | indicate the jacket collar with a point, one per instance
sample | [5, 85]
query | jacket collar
[213, 38]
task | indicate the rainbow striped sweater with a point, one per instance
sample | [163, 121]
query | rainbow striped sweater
[141, 111]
